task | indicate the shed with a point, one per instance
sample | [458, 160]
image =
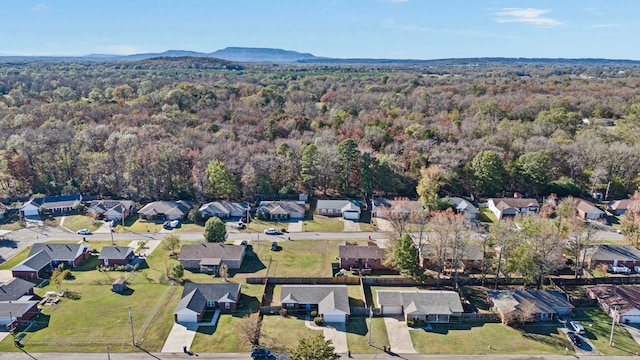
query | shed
[119, 286]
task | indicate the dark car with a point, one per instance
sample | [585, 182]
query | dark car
[274, 246]
[575, 340]
[260, 353]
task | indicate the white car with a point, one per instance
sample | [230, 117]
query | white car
[272, 231]
[577, 327]
[84, 232]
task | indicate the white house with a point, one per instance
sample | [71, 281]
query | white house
[348, 209]
[512, 207]
[223, 209]
[50, 203]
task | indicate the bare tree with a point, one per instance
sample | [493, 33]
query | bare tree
[249, 328]
[450, 236]
[503, 237]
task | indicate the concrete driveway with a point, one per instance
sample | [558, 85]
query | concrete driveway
[295, 226]
[147, 249]
[398, 334]
[181, 335]
[337, 333]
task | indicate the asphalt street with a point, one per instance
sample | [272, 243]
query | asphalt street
[11, 243]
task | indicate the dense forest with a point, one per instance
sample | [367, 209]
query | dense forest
[198, 128]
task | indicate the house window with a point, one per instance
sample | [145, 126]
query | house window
[289, 305]
[211, 304]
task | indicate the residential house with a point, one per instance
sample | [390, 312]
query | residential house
[619, 207]
[165, 210]
[44, 258]
[115, 255]
[331, 301]
[620, 302]
[223, 209]
[471, 256]
[348, 209]
[587, 210]
[433, 306]
[207, 257]
[17, 312]
[530, 305]
[15, 289]
[52, 204]
[366, 255]
[281, 210]
[197, 298]
[381, 208]
[512, 207]
[604, 254]
[464, 207]
[111, 209]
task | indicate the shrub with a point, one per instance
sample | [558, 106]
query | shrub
[284, 312]
[314, 314]
[318, 321]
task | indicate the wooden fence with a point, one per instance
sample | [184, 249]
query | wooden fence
[306, 280]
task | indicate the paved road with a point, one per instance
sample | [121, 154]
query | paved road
[13, 242]
[234, 356]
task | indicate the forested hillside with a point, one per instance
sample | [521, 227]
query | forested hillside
[166, 128]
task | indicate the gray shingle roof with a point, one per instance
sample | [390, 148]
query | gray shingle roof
[34, 262]
[615, 252]
[280, 207]
[462, 205]
[115, 252]
[196, 295]
[211, 250]
[508, 203]
[60, 252]
[223, 207]
[14, 289]
[180, 208]
[545, 301]
[15, 309]
[342, 205]
[422, 301]
[102, 206]
[328, 297]
[361, 251]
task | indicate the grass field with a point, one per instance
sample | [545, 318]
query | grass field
[323, 223]
[486, 216]
[489, 338]
[221, 338]
[358, 334]
[281, 333]
[597, 327]
[7, 265]
[77, 222]
[98, 318]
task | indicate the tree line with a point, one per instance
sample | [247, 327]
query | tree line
[188, 129]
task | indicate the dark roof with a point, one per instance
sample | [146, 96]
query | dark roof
[507, 203]
[196, 295]
[614, 252]
[115, 252]
[223, 207]
[545, 301]
[368, 250]
[211, 250]
[422, 301]
[14, 289]
[462, 205]
[59, 252]
[119, 206]
[16, 309]
[180, 208]
[328, 297]
[624, 297]
[51, 202]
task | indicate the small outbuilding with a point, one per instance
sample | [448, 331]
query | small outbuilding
[119, 286]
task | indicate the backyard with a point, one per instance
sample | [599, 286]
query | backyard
[597, 327]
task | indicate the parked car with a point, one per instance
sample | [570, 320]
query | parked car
[260, 353]
[244, 243]
[113, 223]
[84, 232]
[618, 269]
[576, 327]
[241, 225]
[174, 223]
[166, 225]
[272, 231]
[575, 340]
[274, 246]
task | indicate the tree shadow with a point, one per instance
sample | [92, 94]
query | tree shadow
[8, 243]
[250, 264]
[358, 326]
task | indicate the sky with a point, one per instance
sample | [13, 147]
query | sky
[395, 29]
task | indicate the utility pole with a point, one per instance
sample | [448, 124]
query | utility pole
[613, 322]
[133, 337]
[370, 326]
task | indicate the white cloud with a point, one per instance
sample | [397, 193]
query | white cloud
[39, 7]
[600, 26]
[528, 16]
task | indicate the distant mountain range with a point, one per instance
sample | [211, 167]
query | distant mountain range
[279, 56]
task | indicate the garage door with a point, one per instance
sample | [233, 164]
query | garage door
[633, 319]
[186, 318]
[392, 310]
[339, 318]
[351, 215]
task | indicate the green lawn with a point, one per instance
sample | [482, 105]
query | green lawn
[279, 333]
[323, 223]
[358, 334]
[597, 327]
[295, 258]
[7, 265]
[77, 222]
[99, 318]
[221, 338]
[486, 216]
[10, 222]
[475, 338]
